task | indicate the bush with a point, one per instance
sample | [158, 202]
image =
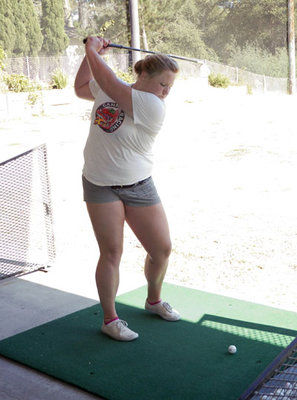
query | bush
[59, 79]
[260, 61]
[2, 58]
[33, 98]
[3, 86]
[17, 83]
[126, 76]
[219, 80]
[20, 83]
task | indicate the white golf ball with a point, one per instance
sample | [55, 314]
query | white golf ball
[232, 349]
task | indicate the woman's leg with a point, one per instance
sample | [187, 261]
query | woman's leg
[108, 221]
[151, 228]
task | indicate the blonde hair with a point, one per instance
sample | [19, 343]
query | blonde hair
[156, 64]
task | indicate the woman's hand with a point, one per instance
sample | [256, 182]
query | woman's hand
[99, 44]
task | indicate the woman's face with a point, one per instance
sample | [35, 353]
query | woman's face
[159, 85]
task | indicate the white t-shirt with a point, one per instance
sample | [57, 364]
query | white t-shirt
[118, 150]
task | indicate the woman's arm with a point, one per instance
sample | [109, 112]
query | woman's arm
[82, 79]
[105, 77]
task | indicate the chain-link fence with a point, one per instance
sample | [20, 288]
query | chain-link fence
[42, 69]
[27, 239]
[255, 81]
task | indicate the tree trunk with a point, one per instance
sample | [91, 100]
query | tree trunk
[144, 38]
[68, 14]
[135, 36]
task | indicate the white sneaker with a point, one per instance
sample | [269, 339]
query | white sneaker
[164, 310]
[119, 330]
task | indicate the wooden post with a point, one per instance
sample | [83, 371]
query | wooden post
[134, 22]
[291, 48]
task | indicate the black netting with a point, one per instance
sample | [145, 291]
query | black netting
[26, 225]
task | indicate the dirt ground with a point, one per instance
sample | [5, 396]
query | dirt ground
[225, 168]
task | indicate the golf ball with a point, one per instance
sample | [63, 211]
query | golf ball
[232, 349]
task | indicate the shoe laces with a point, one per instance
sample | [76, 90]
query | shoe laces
[122, 324]
[167, 306]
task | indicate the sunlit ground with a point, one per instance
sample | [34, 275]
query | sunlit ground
[225, 167]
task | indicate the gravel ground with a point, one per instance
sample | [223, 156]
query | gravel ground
[225, 167]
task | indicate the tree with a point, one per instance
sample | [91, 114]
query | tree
[21, 46]
[261, 23]
[33, 31]
[55, 39]
[68, 14]
[107, 18]
[7, 30]
[180, 34]
[20, 33]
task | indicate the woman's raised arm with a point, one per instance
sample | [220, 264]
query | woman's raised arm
[105, 77]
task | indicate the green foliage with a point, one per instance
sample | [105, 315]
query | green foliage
[59, 79]
[33, 98]
[261, 23]
[21, 46]
[2, 58]
[7, 29]
[20, 83]
[33, 30]
[107, 19]
[218, 81]
[17, 83]
[180, 34]
[208, 16]
[249, 89]
[52, 23]
[20, 33]
[126, 76]
[261, 61]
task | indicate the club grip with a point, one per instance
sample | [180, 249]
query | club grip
[118, 46]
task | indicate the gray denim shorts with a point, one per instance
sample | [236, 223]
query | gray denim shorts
[142, 194]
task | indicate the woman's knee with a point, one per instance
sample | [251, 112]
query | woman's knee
[162, 253]
[111, 255]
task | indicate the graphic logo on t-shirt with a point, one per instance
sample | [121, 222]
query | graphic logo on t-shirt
[109, 117]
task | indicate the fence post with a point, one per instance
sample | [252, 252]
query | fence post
[291, 48]
[7, 105]
[28, 67]
[264, 84]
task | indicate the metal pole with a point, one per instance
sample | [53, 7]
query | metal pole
[28, 67]
[291, 48]
[135, 35]
[144, 38]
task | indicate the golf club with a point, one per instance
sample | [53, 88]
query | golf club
[119, 46]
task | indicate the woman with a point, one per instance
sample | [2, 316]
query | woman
[117, 174]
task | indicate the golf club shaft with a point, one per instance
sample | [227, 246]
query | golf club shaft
[119, 46]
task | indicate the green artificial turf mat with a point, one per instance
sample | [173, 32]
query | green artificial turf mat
[184, 360]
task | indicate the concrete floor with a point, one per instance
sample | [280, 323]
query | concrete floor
[35, 299]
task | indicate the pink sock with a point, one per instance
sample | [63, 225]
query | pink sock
[106, 323]
[153, 304]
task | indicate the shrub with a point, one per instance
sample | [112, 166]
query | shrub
[59, 79]
[33, 97]
[17, 83]
[218, 80]
[2, 58]
[261, 61]
[3, 86]
[20, 83]
[126, 76]
[249, 89]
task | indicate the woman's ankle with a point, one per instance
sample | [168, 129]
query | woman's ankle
[108, 320]
[153, 302]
